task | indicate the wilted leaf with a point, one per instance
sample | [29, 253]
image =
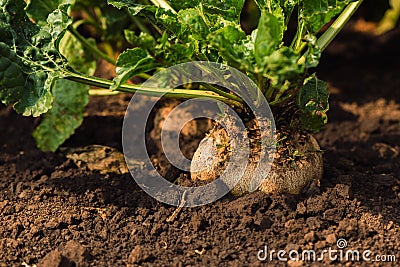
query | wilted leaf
[100, 158]
[70, 100]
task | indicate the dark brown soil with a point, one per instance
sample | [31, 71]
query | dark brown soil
[53, 213]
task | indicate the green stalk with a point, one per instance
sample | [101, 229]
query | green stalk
[220, 92]
[89, 46]
[281, 100]
[102, 92]
[335, 27]
[132, 88]
[268, 94]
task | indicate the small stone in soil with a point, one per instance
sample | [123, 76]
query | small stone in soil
[310, 237]
[331, 238]
[55, 259]
[137, 255]
[320, 245]
[74, 251]
[73, 254]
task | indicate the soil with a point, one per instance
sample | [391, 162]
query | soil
[53, 213]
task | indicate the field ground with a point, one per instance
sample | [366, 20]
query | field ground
[52, 212]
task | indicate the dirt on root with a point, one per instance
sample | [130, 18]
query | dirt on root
[53, 213]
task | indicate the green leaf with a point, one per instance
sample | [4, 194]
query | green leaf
[123, 3]
[130, 63]
[228, 9]
[39, 10]
[193, 20]
[163, 18]
[70, 100]
[167, 20]
[178, 53]
[269, 37]
[133, 7]
[130, 57]
[28, 92]
[31, 56]
[144, 40]
[288, 7]
[313, 54]
[313, 102]
[183, 4]
[282, 65]
[234, 47]
[114, 18]
[52, 32]
[281, 11]
[16, 27]
[317, 13]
